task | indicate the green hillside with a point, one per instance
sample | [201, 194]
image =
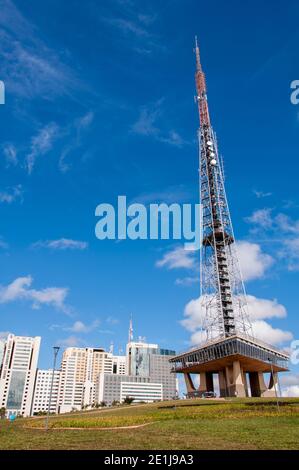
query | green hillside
[185, 424]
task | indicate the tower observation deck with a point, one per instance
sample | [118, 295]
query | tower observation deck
[229, 348]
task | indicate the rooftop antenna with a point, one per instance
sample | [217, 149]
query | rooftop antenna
[130, 338]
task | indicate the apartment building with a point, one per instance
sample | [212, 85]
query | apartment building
[80, 369]
[42, 391]
[18, 374]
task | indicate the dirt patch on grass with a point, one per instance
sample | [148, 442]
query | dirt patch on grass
[92, 428]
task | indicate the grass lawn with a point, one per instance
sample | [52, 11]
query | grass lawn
[186, 424]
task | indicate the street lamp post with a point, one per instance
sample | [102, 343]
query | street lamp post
[55, 350]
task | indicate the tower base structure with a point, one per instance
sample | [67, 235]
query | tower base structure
[240, 363]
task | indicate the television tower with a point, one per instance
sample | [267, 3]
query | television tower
[230, 351]
[223, 298]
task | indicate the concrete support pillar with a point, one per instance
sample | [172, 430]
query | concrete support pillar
[202, 383]
[210, 382]
[189, 383]
[254, 384]
[222, 383]
[245, 383]
[235, 380]
[238, 380]
[206, 382]
[257, 384]
[273, 384]
[229, 381]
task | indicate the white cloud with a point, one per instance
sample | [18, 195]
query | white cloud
[29, 74]
[288, 230]
[85, 121]
[112, 320]
[187, 281]
[11, 194]
[286, 224]
[172, 194]
[293, 246]
[80, 125]
[289, 379]
[258, 309]
[146, 125]
[10, 153]
[3, 244]
[41, 144]
[253, 261]
[20, 289]
[292, 391]
[177, 258]
[80, 327]
[265, 332]
[261, 194]
[281, 229]
[133, 23]
[194, 315]
[106, 332]
[31, 68]
[198, 337]
[262, 218]
[290, 252]
[128, 27]
[173, 138]
[61, 244]
[147, 18]
[70, 342]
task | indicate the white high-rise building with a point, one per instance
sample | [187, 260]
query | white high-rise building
[80, 368]
[119, 365]
[147, 392]
[115, 388]
[18, 374]
[42, 391]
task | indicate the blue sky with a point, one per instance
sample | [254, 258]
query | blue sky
[99, 103]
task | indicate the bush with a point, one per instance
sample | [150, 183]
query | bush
[128, 400]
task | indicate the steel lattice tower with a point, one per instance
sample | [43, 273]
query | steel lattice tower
[223, 299]
[230, 352]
